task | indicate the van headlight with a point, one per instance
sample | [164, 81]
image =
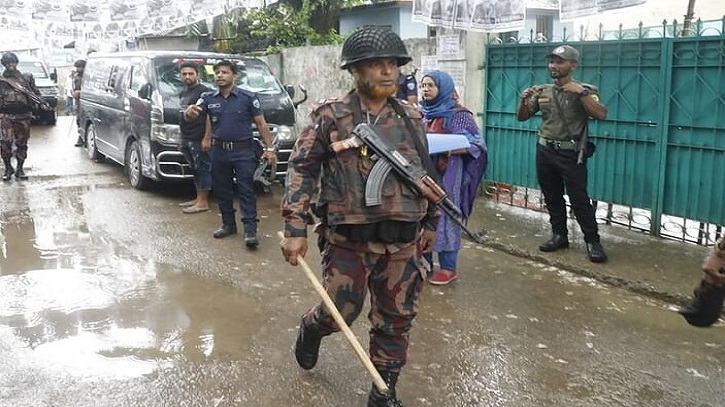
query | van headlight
[166, 133]
[286, 133]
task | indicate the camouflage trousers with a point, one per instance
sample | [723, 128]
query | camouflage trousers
[394, 282]
[15, 129]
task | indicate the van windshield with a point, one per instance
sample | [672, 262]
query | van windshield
[252, 75]
[32, 67]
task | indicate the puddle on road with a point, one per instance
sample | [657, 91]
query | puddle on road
[104, 312]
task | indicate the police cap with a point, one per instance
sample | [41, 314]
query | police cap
[565, 52]
[373, 43]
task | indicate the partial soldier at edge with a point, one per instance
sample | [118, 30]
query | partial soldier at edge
[18, 97]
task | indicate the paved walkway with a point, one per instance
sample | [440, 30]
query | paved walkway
[660, 268]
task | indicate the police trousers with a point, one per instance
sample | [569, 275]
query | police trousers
[15, 130]
[557, 171]
[230, 168]
[394, 282]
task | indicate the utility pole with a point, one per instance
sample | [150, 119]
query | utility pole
[687, 25]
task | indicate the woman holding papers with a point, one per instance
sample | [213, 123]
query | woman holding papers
[461, 170]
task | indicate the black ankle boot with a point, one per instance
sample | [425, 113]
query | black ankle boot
[9, 171]
[378, 399]
[19, 173]
[705, 307]
[307, 346]
[555, 243]
[224, 231]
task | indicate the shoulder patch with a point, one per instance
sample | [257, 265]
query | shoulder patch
[411, 85]
[256, 104]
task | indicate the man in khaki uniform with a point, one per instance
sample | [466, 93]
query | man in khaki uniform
[565, 106]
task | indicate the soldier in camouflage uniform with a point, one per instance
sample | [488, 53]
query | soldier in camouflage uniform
[16, 111]
[364, 248]
[565, 106]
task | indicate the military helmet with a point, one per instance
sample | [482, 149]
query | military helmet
[372, 43]
[80, 63]
[9, 58]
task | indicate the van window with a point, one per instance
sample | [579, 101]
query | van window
[252, 75]
[138, 78]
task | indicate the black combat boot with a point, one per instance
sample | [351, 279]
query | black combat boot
[705, 307]
[19, 173]
[9, 171]
[555, 243]
[307, 346]
[378, 399]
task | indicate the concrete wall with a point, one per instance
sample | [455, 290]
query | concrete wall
[399, 18]
[318, 69]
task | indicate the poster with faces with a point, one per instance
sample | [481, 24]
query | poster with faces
[84, 10]
[125, 10]
[50, 10]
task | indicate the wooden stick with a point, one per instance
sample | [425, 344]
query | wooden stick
[361, 354]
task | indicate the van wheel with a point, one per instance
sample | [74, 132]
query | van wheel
[91, 147]
[133, 167]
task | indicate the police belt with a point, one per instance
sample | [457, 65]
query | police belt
[558, 144]
[232, 145]
[387, 231]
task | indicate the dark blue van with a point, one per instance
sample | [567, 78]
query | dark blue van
[129, 109]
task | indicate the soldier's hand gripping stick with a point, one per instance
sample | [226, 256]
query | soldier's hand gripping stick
[413, 176]
[706, 306]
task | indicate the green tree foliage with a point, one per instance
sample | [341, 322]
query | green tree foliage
[288, 23]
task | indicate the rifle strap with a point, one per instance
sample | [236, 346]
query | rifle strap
[400, 111]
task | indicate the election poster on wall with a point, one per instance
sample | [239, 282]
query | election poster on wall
[62, 21]
[572, 9]
[477, 15]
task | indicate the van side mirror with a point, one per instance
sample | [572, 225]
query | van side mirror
[145, 91]
[290, 90]
[54, 75]
[304, 96]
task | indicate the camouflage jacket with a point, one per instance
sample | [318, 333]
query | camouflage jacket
[13, 101]
[342, 176]
[574, 120]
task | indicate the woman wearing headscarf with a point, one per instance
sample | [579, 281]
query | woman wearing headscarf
[461, 171]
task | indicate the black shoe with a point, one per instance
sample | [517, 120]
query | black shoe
[555, 243]
[225, 231]
[378, 399]
[9, 171]
[250, 239]
[705, 307]
[595, 252]
[79, 143]
[307, 347]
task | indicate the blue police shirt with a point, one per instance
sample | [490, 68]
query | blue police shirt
[231, 117]
[407, 86]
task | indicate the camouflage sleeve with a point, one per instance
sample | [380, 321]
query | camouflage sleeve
[31, 84]
[303, 173]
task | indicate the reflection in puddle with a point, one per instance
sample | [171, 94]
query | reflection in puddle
[124, 318]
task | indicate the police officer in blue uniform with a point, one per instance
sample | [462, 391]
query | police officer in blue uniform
[407, 88]
[233, 150]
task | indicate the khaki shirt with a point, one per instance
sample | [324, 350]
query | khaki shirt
[565, 121]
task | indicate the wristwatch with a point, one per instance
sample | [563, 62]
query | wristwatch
[269, 149]
[584, 92]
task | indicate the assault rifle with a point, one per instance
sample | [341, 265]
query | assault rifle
[412, 176]
[34, 98]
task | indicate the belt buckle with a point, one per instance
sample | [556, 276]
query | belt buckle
[227, 145]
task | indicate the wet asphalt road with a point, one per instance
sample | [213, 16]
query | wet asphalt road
[111, 297]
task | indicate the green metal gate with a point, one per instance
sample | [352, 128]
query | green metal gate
[662, 146]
